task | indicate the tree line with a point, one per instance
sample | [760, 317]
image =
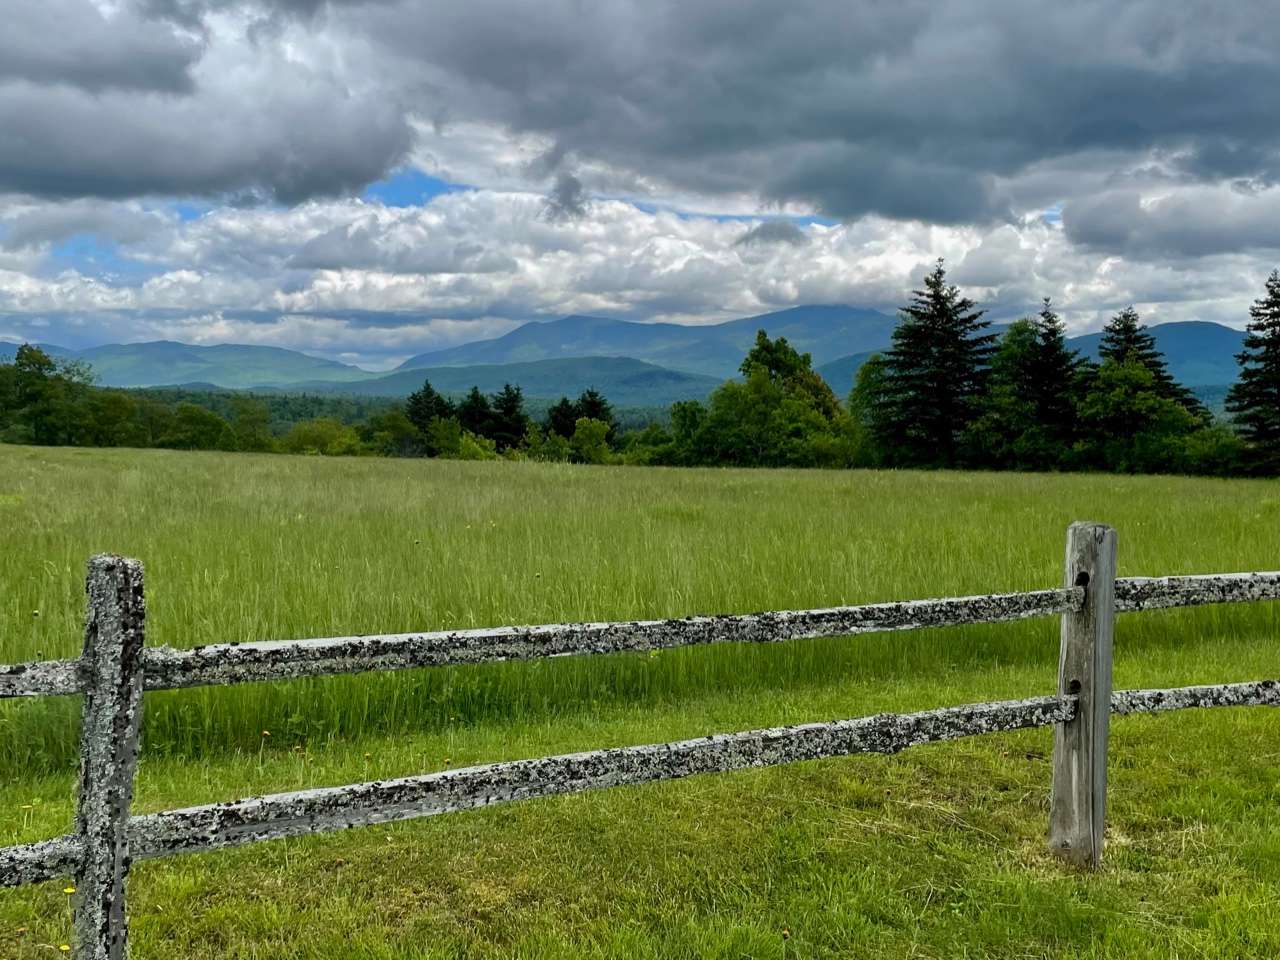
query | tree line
[947, 393]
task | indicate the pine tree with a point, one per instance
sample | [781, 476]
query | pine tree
[1126, 339]
[562, 418]
[1054, 376]
[425, 404]
[934, 375]
[1255, 398]
[509, 419]
[593, 405]
[475, 414]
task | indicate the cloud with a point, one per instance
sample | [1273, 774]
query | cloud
[918, 110]
[36, 225]
[773, 231]
[567, 199]
[75, 43]
[349, 277]
[1185, 221]
[281, 119]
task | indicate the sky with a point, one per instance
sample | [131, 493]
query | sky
[371, 179]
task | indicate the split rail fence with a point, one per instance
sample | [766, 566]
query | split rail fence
[115, 668]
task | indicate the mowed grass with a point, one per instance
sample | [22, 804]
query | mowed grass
[937, 852]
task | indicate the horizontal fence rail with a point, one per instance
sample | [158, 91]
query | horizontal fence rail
[116, 667]
[166, 668]
[1155, 593]
[303, 812]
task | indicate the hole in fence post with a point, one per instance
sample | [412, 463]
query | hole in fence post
[112, 714]
[1078, 800]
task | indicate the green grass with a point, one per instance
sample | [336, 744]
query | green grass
[937, 852]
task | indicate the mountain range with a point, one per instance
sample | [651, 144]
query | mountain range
[634, 364]
[715, 350]
[167, 363]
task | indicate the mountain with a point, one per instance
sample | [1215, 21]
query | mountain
[712, 349]
[1200, 354]
[9, 350]
[164, 363]
[626, 382]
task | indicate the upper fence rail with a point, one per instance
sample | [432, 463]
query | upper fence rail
[166, 668]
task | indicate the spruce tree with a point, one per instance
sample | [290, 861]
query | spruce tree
[934, 375]
[593, 405]
[475, 414]
[562, 418]
[509, 419]
[1054, 376]
[1126, 339]
[425, 404]
[1255, 398]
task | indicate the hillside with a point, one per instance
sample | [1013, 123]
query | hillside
[625, 381]
[711, 349]
[166, 362]
[1199, 354]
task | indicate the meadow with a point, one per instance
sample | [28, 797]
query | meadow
[936, 852]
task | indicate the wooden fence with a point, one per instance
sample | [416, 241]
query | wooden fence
[116, 668]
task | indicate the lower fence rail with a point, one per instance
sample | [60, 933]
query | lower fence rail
[219, 825]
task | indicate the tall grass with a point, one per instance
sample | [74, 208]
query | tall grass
[242, 547]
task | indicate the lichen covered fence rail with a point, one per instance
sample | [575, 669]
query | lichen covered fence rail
[116, 667]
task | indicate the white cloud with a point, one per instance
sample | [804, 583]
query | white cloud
[349, 278]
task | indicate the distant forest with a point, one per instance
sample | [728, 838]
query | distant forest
[947, 393]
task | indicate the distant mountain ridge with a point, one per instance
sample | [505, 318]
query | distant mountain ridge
[712, 349]
[625, 381]
[230, 365]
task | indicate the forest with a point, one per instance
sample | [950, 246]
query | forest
[948, 393]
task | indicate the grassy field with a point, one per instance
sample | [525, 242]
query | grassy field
[937, 852]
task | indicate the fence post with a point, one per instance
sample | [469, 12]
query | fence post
[1078, 804]
[112, 666]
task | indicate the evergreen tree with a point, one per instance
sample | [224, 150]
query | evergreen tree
[1255, 398]
[425, 404]
[509, 421]
[474, 413]
[1009, 433]
[592, 404]
[1126, 339]
[934, 375]
[562, 418]
[1056, 376]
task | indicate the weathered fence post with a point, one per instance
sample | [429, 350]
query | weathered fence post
[1078, 804]
[112, 666]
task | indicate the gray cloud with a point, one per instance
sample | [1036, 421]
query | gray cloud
[298, 141]
[367, 247]
[43, 224]
[911, 110]
[941, 111]
[71, 43]
[773, 231]
[567, 200]
[1187, 222]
